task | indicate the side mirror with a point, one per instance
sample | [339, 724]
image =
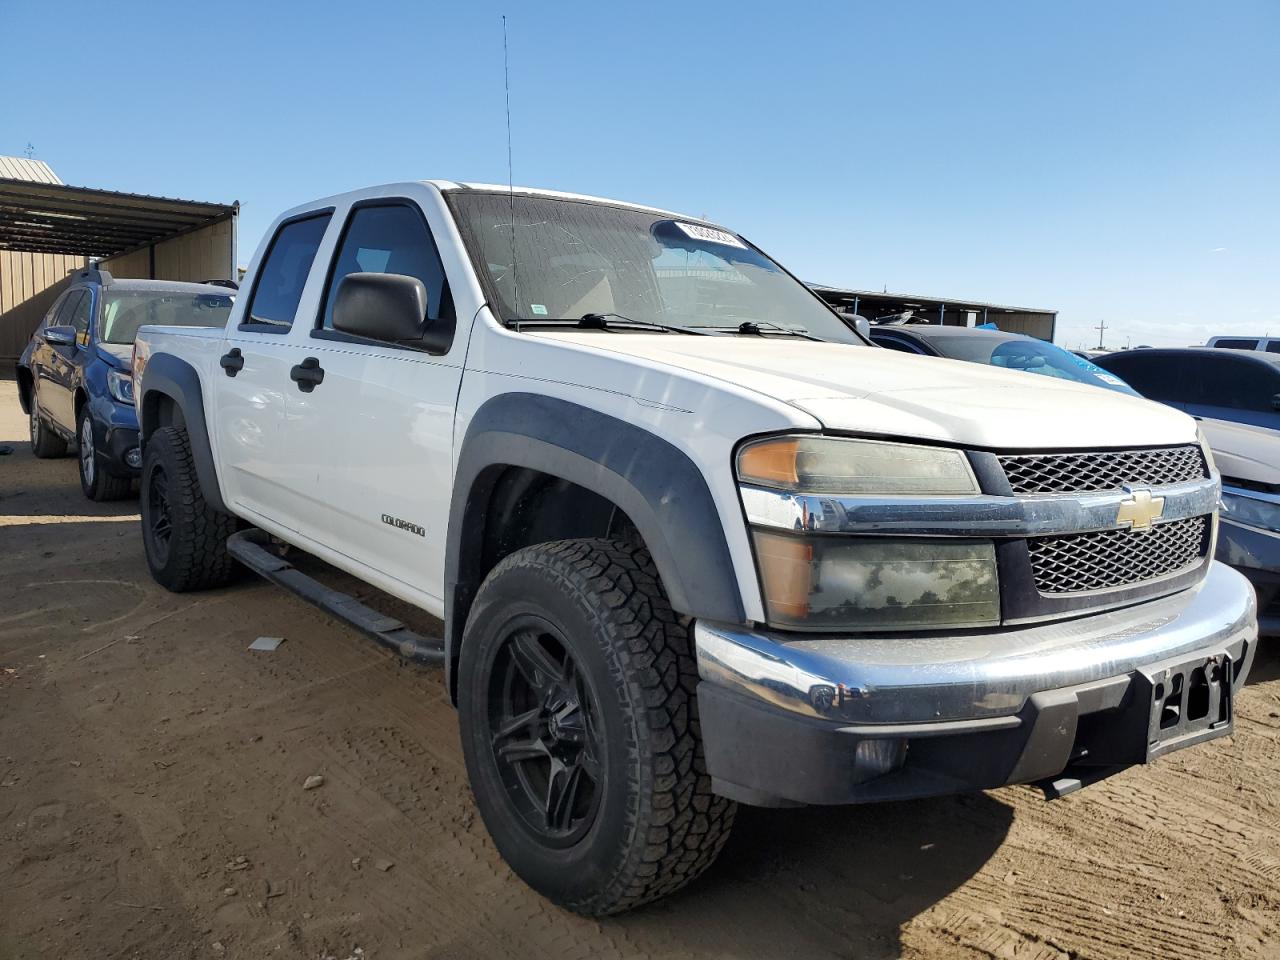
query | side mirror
[60, 336]
[381, 306]
[863, 326]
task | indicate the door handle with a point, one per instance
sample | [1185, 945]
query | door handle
[307, 374]
[232, 362]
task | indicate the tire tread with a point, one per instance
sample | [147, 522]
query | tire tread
[678, 826]
[198, 557]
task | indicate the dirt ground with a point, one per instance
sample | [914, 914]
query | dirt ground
[152, 803]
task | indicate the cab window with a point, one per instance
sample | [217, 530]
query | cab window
[391, 238]
[283, 275]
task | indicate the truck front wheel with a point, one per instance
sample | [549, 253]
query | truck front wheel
[580, 727]
[185, 539]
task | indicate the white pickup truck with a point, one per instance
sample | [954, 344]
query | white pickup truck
[694, 541]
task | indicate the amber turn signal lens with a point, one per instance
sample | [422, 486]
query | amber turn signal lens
[786, 567]
[771, 462]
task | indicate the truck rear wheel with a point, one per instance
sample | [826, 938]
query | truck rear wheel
[185, 538]
[580, 727]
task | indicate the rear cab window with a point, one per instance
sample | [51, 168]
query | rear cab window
[277, 289]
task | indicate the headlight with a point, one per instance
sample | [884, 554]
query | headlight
[827, 583]
[845, 582]
[836, 465]
[1251, 508]
[121, 385]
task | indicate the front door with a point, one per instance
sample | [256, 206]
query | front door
[374, 436]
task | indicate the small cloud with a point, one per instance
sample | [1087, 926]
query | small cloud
[1218, 250]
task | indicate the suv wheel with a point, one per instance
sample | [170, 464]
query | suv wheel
[45, 444]
[580, 727]
[96, 483]
[185, 539]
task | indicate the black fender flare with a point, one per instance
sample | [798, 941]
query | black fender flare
[172, 377]
[655, 483]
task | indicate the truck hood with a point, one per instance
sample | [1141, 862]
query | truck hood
[874, 390]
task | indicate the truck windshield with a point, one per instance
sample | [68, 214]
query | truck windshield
[565, 259]
[124, 311]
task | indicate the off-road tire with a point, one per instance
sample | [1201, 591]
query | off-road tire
[658, 824]
[195, 556]
[45, 444]
[95, 482]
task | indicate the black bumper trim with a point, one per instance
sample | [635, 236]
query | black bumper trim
[119, 441]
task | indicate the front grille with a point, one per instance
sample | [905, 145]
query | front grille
[1116, 558]
[1108, 470]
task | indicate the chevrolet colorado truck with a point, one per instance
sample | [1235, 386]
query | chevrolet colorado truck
[694, 541]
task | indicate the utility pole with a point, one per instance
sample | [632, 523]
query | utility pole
[1101, 328]
[31, 150]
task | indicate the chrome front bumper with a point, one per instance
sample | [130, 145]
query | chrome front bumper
[973, 676]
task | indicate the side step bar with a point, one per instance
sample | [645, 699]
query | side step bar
[253, 548]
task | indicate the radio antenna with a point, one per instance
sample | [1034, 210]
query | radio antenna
[511, 189]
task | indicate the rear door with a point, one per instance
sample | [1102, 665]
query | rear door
[374, 438]
[253, 386]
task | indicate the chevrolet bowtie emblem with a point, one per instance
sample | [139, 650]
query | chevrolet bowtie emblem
[1139, 508]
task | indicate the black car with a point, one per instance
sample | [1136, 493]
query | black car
[1242, 386]
[74, 378]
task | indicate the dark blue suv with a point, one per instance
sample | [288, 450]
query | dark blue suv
[74, 378]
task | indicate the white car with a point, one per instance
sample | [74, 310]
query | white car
[694, 541]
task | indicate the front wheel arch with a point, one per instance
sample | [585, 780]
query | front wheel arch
[660, 490]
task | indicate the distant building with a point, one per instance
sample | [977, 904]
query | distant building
[1033, 321]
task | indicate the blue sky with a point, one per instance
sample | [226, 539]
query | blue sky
[1115, 161]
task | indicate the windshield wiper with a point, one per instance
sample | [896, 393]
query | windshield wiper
[758, 327]
[600, 321]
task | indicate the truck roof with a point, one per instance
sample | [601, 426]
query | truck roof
[457, 185]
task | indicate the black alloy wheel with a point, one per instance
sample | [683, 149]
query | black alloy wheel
[544, 727]
[159, 525]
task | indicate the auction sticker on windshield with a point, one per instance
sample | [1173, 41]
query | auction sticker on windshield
[710, 234]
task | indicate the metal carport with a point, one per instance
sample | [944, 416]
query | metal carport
[48, 229]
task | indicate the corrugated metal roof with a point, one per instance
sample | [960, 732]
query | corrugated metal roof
[54, 218]
[22, 168]
[874, 296]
